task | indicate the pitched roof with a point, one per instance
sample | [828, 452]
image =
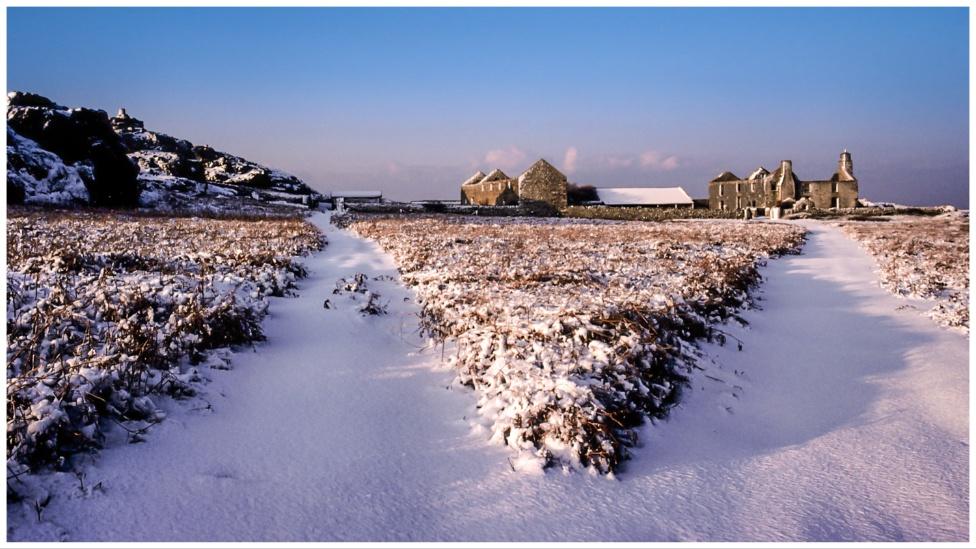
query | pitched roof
[727, 176]
[494, 175]
[643, 196]
[357, 194]
[541, 166]
[760, 173]
[478, 176]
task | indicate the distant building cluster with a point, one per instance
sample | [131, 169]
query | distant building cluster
[544, 184]
[541, 183]
[784, 189]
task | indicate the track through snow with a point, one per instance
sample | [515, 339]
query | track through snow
[843, 418]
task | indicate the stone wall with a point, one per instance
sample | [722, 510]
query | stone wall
[742, 194]
[542, 183]
[502, 192]
[783, 188]
[823, 193]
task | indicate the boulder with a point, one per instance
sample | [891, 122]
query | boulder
[79, 136]
[37, 176]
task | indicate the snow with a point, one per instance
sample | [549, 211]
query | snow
[923, 258]
[476, 178]
[580, 335]
[643, 196]
[60, 184]
[843, 418]
[104, 307]
[759, 173]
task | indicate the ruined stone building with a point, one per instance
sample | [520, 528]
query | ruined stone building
[540, 184]
[783, 188]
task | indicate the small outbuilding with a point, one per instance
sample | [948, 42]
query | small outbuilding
[648, 197]
[355, 197]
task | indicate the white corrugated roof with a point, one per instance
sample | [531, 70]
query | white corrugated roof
[635, 196]
[357, 194]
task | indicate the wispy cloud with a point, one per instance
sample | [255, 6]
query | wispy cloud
[505, 158]
[620, 161]
[656, 161]
[569, 160]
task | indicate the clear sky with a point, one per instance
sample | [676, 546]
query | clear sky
[412, 101]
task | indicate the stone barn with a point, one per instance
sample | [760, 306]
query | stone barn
[541, 184]
[783, 188]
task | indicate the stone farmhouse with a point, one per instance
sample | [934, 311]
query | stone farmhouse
[783, 188]
[540, 184]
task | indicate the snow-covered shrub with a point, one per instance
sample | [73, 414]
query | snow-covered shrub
[106, 309]
[925, 257]
[573, 332]
[357, 285]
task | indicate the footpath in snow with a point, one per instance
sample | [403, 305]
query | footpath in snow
[842, 418]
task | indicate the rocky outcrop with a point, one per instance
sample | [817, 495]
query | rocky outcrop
[37, 176]
[82, 139]
[121, 163]
[159, 154]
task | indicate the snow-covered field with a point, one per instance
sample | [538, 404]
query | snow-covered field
[105, 310]
[842, 417]
[922, 257]
[574, 332]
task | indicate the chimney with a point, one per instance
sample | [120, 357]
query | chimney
[845, 167]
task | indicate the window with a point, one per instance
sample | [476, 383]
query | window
[738, 187]
[721, 205]
[738, 203]
[835, 201]
[721, 190]
[833, 187]
[752, 186]
[772, 185]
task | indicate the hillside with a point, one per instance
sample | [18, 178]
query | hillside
[64, 156]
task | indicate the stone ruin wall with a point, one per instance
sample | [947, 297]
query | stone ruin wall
[548, 187]
[821, 192]
[503, 192]
[761, 192]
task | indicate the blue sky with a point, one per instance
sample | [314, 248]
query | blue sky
[412, 101]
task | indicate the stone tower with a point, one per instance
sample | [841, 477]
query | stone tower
[845, 167]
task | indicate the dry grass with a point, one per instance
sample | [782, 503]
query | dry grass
[105, 309]
[925, 257]
[571, 331]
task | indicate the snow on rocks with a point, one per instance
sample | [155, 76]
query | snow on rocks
[922, 257]
[40, 176]
[104, 310]
[573, 332]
